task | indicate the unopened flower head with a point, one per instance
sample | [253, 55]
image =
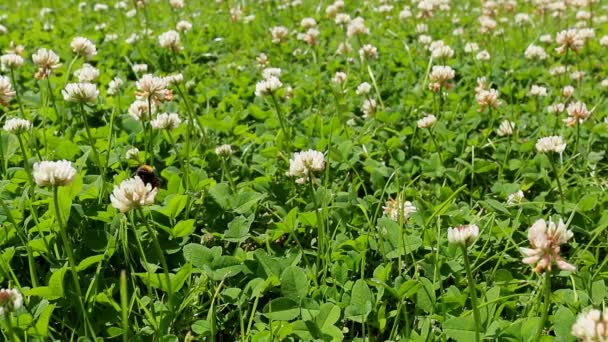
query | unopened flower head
[166, 121]
[174, 79]
[551, 144]
[506, 128]
[170, 40]
[11, 61]
[140, 109]
[83, 47]
[515, 198]
[397, 208]
[80, 92]
[17, 125]
[140, 68]
[153, 88]
[427, 122]
[47, 61]
[54, 173]
[10, 300]
[267, 86]
[591, 326]
[463, 234]
[224, 151]
[6, 90]
[304, 164]
[132, 194]
[545, 241]
[132, 153]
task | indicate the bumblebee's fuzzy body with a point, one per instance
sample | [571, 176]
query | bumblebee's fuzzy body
[148, 175]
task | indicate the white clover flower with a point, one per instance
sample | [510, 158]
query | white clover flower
[174, 79]
[170, 40]
[515, 198]
[80, 92]
[569, 39]
[177, 4]
[356, 27]
[115, 85]
[368, 51]
[506, 128]
[604, 41]
[393, 209]
[535, 52]
[132, 153]
[591, 326]
[166, 121]
[339, 77]
[556, 108]
[463, 234]
[11, 61]
[363, 88]
[483, 55]
[344, 48]
[538, 91]
[47, 61]
[369, 108]
[83, 47]
[54, 173]
[545, 38]
[154, 88]
[342, 19]
[279, 34]
[183, 26]
[426, 122]
[568, 91]
[224, 151]
[10, 300]
[304, 164]
[307, 23]
[471, 47]
[487, 98]
[139, 109]
[577, 113]
[441, 73]
[6, 90]
[545, 239]
[139, 68]
[131, 194]
[271, 72]
[310, 37]
[17, 125]
[87, 73]
[267, 86]
[133, 38]
[551, 144]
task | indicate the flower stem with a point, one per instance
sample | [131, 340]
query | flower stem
[59, 116]
[472, 292]
[228, 175]
[280, 115]
[124, 305]
[9, 327]
[69, 250]
[91, 141]
[546, 305]
[159, 251]
[17, 94]
[559, 184]
[147, 134]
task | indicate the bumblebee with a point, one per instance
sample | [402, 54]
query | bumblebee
[148, 175]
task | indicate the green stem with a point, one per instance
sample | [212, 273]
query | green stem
[70, 251]
[17, 94]
[90, 136]
[124, 304]
[159, 251]
[546, 305]
[472, 292]
[228, 175]
[148, 133]
[59, 117]
[280, 115]
[559, 184]
[9, 327]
